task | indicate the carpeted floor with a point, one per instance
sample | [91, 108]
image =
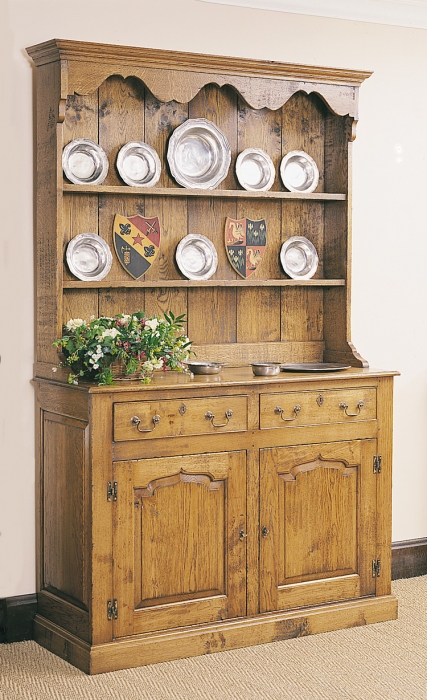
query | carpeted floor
[386, 661]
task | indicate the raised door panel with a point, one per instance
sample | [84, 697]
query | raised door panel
[318, 524]
[179, 545]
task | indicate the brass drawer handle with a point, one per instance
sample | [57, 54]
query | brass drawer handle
[242, 535]
[210, 416]
[359, 407]
[279, 411]
[265, 531]
[136, 421]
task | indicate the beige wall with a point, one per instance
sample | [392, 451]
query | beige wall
[390, 238]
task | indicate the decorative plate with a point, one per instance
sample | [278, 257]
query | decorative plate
[314, 367]
[299, 258]
[299, 172]
[89, 257]
[205, 367]
[255, 170]
[199, 155]
[84, 162]
[138, 164]
[196, 257]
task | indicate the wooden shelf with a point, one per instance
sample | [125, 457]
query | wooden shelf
[196, 284]
[183, 192]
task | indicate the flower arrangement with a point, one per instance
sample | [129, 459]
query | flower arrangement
[141, 344]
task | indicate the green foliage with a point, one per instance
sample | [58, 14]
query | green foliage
[142, 344]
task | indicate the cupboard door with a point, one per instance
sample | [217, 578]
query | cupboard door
[318, 524]
[179, 541]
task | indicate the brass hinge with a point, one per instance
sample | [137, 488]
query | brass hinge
[112, 610]
[376, 568]
[112, 491]
[377, 464]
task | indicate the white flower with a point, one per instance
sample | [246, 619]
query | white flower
[95, 366]
[109, 333]
[152, 323]
[54, 369]
[74, 323]
[157, 364]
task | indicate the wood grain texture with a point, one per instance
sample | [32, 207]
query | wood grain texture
[181, 546]
[66, 507]
[318, 507]
[49, 216]
[80, 215]
[167, 645]
[121, 120]
[176, 539]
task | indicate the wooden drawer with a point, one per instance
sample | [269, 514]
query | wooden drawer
[317, 407]
[173, 417]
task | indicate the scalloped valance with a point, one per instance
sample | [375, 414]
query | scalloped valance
[177, 76]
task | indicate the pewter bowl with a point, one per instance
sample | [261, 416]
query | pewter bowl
[196, 257]
[255, 170]
[199, 155]
[89, 257]
[84, 162]
[299, 258]
[265, 369]
[138, 164]
[299, 172]
[205, 367]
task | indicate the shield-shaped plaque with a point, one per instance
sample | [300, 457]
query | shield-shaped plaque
[136, 241]
[245, 243]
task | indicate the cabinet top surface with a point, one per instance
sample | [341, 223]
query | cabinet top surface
[235, 377]
[64, 49]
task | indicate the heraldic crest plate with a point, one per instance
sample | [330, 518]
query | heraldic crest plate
[245, 243]
[137, 242]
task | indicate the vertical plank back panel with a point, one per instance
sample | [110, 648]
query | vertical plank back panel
[121, 119]
[160, 120]
[80, 213]
[258, 310]
[303, 129]
[211, 312]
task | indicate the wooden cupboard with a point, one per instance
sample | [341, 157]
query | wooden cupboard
[253, 508]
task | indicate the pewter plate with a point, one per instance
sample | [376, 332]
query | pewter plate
[89, 257]
[196, 257]
[138, 164]
[314, 367]
[84, 162]
[255, 170]
[265, 369]
[205, 367]
[299, 258]
[299, 172]
[199, 155]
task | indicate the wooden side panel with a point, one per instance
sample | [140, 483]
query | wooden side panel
[80, 213]
[66, 507]
[177, 537]
[48, 252]
[384, 483]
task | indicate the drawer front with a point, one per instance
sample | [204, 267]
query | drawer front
[170, 418]
[317, 407]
